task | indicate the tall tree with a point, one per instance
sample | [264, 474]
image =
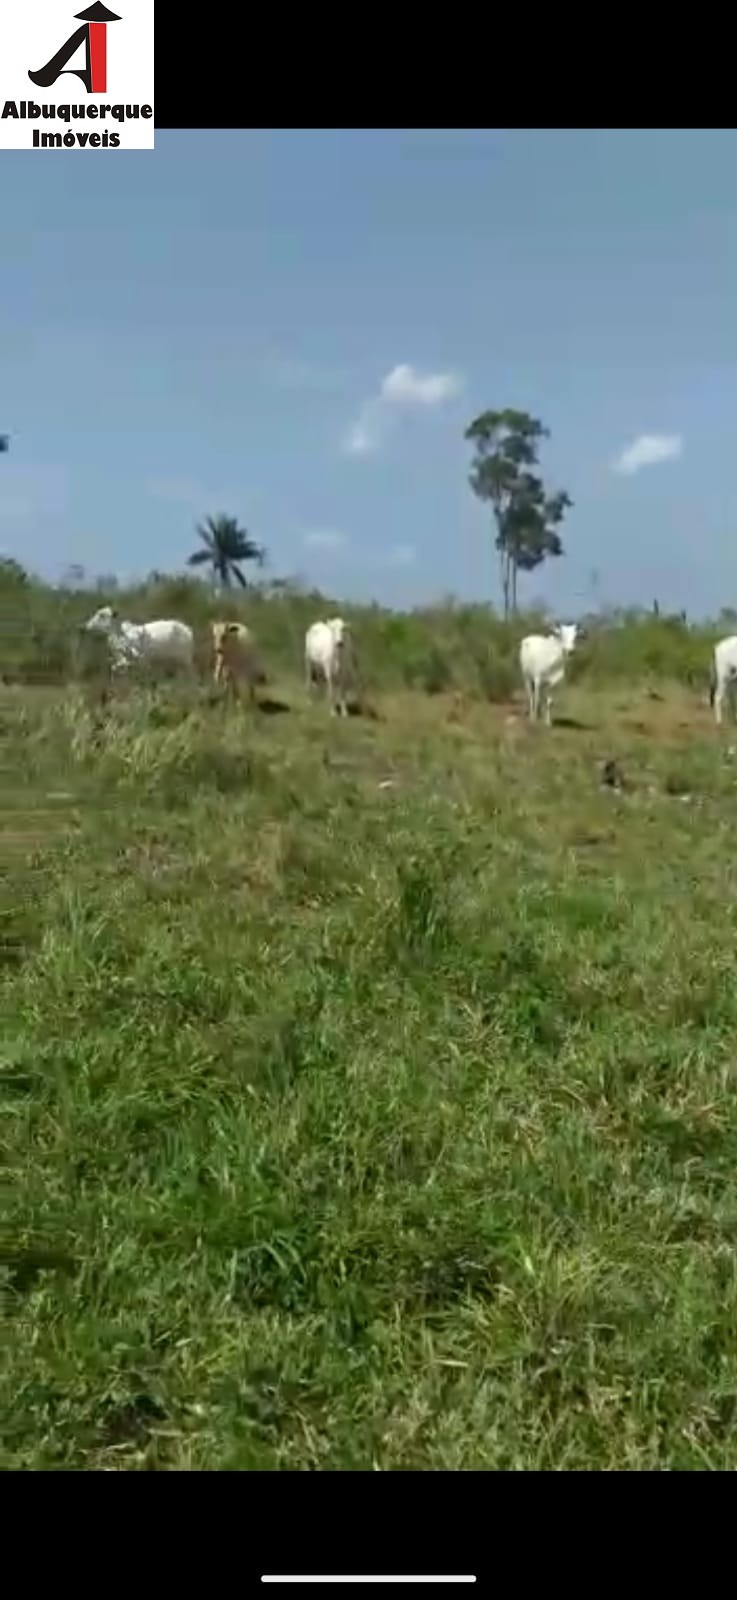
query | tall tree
[225, 546]
[527, 518]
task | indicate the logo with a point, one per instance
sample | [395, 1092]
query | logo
[93, 34]
[95, 90]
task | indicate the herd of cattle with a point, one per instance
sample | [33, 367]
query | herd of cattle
[330, 657]
[329, 653]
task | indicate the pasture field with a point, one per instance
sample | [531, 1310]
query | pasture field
[369, 1087]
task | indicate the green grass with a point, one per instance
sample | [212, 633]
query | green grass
[368, 1087]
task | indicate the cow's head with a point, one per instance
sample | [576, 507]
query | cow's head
[569, 634]
[339, 630]
[106, 620]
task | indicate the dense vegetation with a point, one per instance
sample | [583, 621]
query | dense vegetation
[449, 646]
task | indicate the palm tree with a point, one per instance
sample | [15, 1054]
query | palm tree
[224, 546]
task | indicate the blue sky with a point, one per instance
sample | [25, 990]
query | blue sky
[209, 327]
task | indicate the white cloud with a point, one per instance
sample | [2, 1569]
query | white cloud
[648, 450]
[325, 539]
[405, 387]
[402, 388]
[364, 435]
[402, 555]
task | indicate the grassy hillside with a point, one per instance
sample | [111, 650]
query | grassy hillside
[369, 1085]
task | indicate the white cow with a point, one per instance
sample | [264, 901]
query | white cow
[724, 675]
[329, 656]
[133, 643]
[542, 657]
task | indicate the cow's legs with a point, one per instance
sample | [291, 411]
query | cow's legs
[334, 692]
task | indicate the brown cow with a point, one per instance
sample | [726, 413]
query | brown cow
[236, 658]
